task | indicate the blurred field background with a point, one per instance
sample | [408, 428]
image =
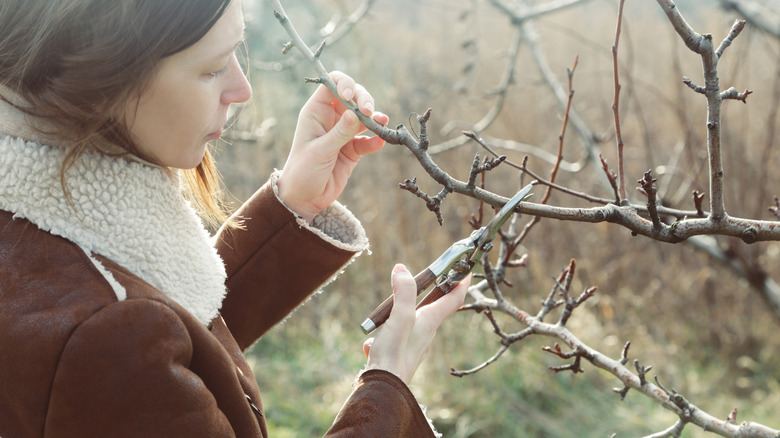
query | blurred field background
[706, 332]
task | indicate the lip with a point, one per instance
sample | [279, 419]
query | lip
[214, 135]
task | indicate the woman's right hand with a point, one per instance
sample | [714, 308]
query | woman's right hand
[326, 147]
[403, 341]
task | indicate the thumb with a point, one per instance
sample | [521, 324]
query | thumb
[439, 310]
[367, 346]
[343, 131]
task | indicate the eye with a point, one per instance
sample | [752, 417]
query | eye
[220, 72]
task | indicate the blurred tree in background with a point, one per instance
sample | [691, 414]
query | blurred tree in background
[699, 318]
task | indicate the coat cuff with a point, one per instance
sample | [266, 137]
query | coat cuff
[335, 224]
[381, 405]
[384, 374]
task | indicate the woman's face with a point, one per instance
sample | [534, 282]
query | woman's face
[186, 103]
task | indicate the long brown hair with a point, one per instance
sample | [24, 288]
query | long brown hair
[78, 62]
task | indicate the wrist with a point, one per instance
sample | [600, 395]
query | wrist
[308, 217]
[298, 208]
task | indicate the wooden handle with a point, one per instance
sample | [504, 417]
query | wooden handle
[436, 293]
[381, 313]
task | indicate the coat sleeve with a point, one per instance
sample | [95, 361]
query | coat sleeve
[125, 372]
[381, 405]
[273, 264]
[275, 261]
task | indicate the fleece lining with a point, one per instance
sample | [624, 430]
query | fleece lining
[129, 212]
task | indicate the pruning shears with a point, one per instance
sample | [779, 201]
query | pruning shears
[454, 264]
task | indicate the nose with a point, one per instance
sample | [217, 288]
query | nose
[237, 87]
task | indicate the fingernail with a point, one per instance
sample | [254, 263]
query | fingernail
[400, 268]
[370, 107]
[347, 95]
[380, 118]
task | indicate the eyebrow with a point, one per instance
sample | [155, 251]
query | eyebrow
[233, 49]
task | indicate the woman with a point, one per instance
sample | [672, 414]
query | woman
[120, 315]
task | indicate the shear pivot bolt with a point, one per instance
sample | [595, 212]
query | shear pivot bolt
[461, 267]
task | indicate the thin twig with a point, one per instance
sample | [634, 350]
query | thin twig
[616, 108]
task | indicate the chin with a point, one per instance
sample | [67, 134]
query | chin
[190, 162]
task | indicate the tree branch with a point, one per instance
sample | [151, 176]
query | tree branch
[703, 45]
[332, 33]
[759, 15]
[670, 400]
[621, 184]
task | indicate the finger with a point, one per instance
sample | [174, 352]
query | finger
[432, 315]
[364, 100]
[364, 145]
[452, 301]
[323, 96]
[348, 89]
[404, 296]
[367, 145]
[347, 127]
[345, 85]
[367, 346]
[381, 118]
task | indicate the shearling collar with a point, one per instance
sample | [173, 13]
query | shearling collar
[129, 212]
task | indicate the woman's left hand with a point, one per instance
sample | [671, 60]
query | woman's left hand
[403, 341]
[326, 147]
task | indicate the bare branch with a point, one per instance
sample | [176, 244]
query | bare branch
[670, 400]
[642, 371]
[575, 367]
[692, 39]
[760, 280]
[624, 354]
[331, 33]
[495, 357]
[703, 45]
[697, 201]
[480, 169]
[647, 188]
[732, 417]
[588, 137]
[489, 143]
[687, 81]
[536, 11]
[776, 208]
[674, 431]
[759, 15]
[500, 93]
[564, 125]
[736, 29]
[423, 121]
[611, 177]
[433, 204]
[732, 93]
[339, 30]
[616, 107]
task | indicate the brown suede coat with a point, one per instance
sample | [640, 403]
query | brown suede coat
[75, 362]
